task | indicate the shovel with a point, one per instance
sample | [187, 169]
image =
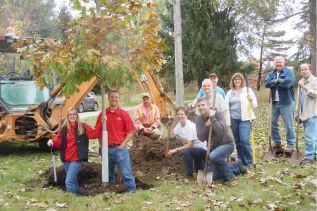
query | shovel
[271, 152]
[54, 165]
[251, 123]
[204, 178]
[168, 139]
[297, 156]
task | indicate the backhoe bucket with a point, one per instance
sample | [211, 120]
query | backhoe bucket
[204, 178]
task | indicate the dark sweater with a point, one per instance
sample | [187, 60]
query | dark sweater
[220, 134]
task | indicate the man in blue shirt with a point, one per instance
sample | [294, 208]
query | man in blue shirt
[281, 81]
[214, 78]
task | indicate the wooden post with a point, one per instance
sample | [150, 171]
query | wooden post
[178, 54]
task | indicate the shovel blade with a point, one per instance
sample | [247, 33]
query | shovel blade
[269, 155]
[296, 157]
[204, 178]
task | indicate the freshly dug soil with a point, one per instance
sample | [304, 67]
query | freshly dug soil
[149, 165]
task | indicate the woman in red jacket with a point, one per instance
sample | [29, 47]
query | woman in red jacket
[73, 141]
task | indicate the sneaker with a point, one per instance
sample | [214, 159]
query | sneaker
[306, 161]
[242, 169]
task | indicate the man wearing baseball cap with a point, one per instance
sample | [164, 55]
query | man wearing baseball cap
[214, 78]
[147, 118]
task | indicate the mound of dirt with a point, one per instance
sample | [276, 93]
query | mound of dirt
[149, 164]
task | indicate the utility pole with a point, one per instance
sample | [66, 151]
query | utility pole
[178, 53]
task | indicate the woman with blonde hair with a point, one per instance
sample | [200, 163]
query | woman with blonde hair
[73, 141]
[237, 100]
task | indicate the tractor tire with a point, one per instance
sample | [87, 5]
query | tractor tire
[95, 107]
[80, 108]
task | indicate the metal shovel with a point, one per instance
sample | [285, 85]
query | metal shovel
[297, 156]
[204, 178]
[54, 165]
[271, 152]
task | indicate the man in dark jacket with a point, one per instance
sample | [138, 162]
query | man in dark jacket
[221, 142]
[281, 82]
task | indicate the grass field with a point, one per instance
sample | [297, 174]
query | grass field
[275, 185]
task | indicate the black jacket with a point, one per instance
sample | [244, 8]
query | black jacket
[220, 134]
[82, 144]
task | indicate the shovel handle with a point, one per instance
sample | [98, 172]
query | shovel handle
[298, 114]
[208, 149]
[270, 120]
[168, 139]
[54, 165]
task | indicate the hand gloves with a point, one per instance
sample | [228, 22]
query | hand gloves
[49, 143]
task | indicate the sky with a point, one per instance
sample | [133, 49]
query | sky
[288, 26]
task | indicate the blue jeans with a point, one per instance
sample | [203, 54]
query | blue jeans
[287, 114]
[310, 132]
[72, 169]
[198, 155]
[241, 133]
[121, 158]
[218, 161]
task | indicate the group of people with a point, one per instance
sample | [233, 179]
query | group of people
[215, 112]
[281, 82]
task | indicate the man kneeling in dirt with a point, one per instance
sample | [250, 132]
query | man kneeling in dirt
[221, 143]
[147, 118]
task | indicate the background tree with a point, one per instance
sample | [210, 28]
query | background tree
[256, 25]
[64, 20]
[208, 39]
[30, 18]
[307, 43]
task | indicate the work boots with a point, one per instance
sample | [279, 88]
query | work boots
[279, 151]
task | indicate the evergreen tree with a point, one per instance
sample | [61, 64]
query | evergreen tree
[208, 39]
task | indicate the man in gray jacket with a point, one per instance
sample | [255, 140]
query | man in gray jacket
[308, 115]
[221, 143]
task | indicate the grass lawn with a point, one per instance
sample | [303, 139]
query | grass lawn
[275, 185]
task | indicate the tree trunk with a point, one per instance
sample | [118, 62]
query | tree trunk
[313, 47]
[258, 85]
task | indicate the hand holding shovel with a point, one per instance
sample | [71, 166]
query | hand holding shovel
[204, 178]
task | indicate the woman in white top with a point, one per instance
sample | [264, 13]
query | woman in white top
[237, 100]
[194, 150]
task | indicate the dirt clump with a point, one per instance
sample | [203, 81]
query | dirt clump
[149, 165]
[149, 162]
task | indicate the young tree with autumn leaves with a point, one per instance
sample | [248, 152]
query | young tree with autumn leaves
[113, 43]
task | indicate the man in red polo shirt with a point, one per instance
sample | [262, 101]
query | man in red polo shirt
[120, 130]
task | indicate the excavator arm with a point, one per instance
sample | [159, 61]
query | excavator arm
[41, 121]
[150, 82]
